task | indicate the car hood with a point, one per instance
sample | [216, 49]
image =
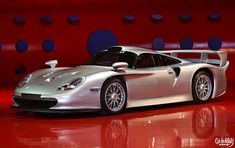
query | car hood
[65, 75]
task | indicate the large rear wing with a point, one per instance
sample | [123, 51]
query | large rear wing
[204, 55]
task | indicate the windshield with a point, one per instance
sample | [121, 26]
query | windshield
[107, 58]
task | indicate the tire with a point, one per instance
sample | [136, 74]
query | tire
[202, 87]
[113, 97]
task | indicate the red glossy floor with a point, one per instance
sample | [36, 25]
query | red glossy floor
[175, 125]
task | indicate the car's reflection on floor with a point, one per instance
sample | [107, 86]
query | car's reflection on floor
[152, 128]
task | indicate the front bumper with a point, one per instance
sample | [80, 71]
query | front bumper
[34, 101]
[63, 102]
[60, 111]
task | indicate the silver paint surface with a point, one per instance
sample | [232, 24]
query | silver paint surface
[145, 86]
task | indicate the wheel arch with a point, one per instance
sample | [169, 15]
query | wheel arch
[119, 77]
[209, 71]
[104, 110]
[206, 70]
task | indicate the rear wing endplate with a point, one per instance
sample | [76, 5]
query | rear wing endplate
[204, 55]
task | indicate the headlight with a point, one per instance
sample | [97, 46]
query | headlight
[24, 80]
[73, 84]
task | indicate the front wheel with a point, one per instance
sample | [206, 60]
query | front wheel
[113, 97]
[202, 87]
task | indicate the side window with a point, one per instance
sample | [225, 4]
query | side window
[127, 57]
[104, 58]
[158, 59]
[145, 60]
[169, 61]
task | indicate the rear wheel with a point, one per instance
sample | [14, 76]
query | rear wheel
[113, 97]
[202, 87]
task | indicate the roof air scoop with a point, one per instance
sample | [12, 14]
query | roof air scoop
[52, 63]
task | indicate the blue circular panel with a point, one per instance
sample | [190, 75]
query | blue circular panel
[100, 40]
[0, 46]
[157, 18]
[20, 70]
[128, 18]
[186, 43]
[73, 19]
[46, 20]
[19, 20]
[214, 43]
[185, 17]
[48, 46]
[21, 46]
[214, 17]
[158, 44]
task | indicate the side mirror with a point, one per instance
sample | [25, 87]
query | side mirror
[119, 66]
[52, 63]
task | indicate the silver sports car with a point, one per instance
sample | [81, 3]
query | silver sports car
[122, 77]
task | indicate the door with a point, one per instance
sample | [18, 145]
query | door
[151, 79]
